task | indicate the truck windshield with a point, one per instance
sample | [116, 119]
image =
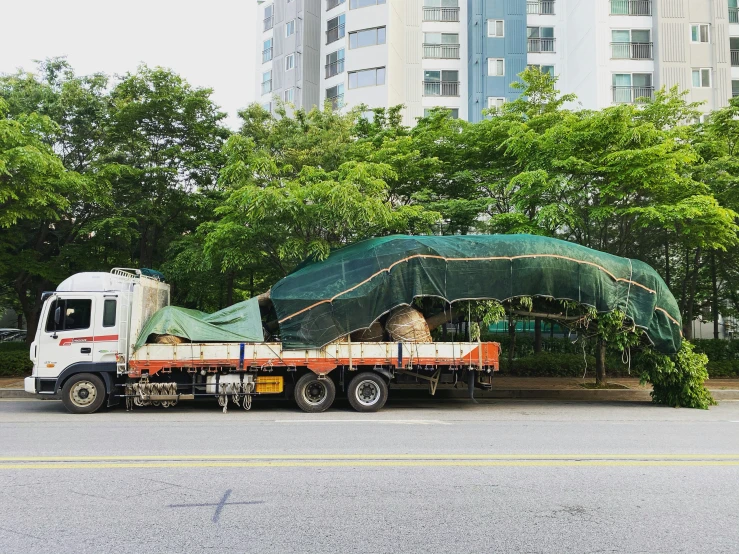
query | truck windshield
[75, 314]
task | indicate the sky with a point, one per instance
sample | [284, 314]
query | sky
[209, 42]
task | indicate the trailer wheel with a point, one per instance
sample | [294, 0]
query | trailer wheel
[83, 393]
[313, 394]
[367, 392]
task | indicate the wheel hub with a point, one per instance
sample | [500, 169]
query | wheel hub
[315, 392]
[368, 393]
[83, 393]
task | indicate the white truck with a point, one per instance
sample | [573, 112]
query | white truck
[84, 351]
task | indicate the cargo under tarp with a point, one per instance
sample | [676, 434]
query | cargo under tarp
[323, 301]
[238, 323]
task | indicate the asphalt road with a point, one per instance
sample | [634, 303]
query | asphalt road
[421, 476]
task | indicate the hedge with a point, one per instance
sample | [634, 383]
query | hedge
[14, 359]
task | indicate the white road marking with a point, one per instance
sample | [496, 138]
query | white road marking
[389, 421]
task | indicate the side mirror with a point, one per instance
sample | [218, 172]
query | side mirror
[57, 316]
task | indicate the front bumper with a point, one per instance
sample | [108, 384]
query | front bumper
[29, 385]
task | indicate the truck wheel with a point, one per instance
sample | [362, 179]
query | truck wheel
[313, 394]
[83, 393]
[367, 392]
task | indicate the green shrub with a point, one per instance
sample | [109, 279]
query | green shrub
[677, 380]
[728, 369]
[717, 350]
[548, 365]
[14, 360]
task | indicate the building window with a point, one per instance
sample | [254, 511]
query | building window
[331, 4]
[367, 78]
[289, 62]
[335, 29]
[734, 11]
[441, 83]
[367, 37]
[699, 33]
[540, 39]
[334, 63]
[453, 112]
[702, 78]
[495, 102]
[354, 4]
[631, 44]
[734, 88]
[290, 28]
[289, 95]
[543, 68]
[267, 50]
[441, 10]
[267, 106]
[266, 82]
[441, 45]
[335, 95]
[496, 67]
[540, 7]
[268, 19]
[496, 28]
[631, 7]
[629, 88]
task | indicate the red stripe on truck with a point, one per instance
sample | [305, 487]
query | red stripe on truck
[75, 340]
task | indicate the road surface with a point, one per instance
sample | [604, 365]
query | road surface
[420, 477]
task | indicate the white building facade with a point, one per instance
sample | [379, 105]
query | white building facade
[464, 54]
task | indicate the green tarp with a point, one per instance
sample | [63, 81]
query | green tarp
[238, 323]
[323, 301]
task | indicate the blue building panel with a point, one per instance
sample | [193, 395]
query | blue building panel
[511, 48]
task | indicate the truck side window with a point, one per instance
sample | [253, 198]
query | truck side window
[109, 307]
[75, 314]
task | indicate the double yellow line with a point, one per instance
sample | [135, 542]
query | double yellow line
[186, 461]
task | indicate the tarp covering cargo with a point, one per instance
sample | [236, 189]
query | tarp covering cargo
[238, 323]
[322, 301]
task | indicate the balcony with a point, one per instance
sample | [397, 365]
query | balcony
[441, 51]
[266, 86]
[332, 35]
[735, 58]
[631, 50]
[541, 45]
[331, 4]
[268, 23]
[336, 101]
[631, 95]
[267, 55]
[334, 68]
[441, 88]
[440, 14]
[733, 15]
[631, 7]
[542, 7]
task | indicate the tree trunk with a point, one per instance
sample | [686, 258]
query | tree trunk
[512, 341]
[537, 335]
[20, 321]
[600, 362]
[667, 262]
[230, 289]
[688, 323]
[714, 296]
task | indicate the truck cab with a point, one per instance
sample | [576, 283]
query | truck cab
[84, 331]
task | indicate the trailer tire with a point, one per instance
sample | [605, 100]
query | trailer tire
[314, 395]
[83, 393]
[367, 392]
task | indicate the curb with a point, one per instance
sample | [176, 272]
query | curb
[20, 393]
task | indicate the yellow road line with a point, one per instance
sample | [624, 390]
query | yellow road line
[376, 463]
[368, 457]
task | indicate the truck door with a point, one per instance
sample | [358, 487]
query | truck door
[106, 330]
[67, 334]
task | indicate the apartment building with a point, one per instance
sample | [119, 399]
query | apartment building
[465, 54]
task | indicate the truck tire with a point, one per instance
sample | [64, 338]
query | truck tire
[314, 395]
[367, 392]
[83, 393]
